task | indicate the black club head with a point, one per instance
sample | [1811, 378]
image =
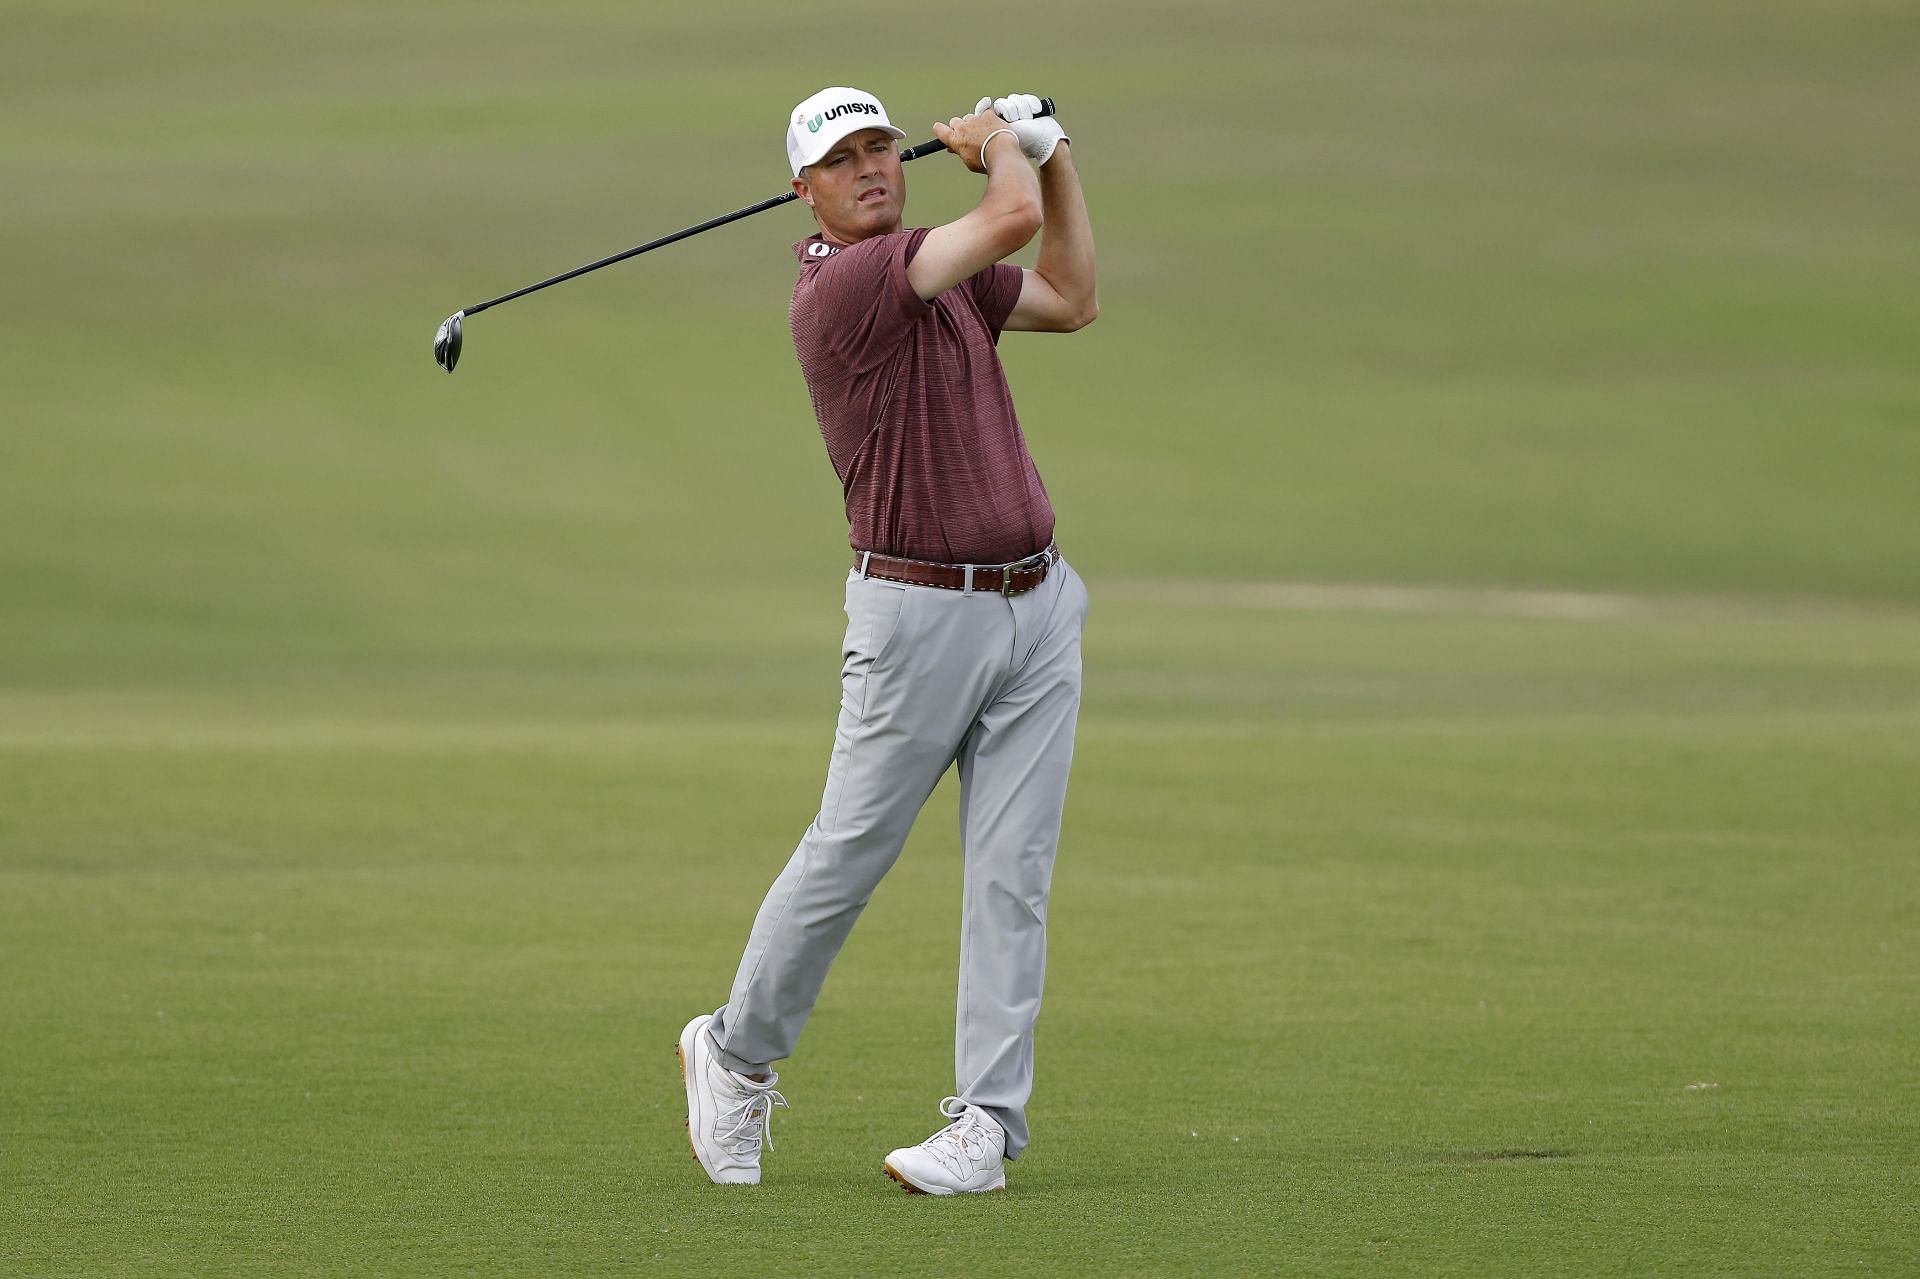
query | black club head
[446, 342]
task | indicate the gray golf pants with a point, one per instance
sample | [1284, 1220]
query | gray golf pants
[931, 677]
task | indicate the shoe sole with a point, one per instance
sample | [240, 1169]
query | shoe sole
[905, 1185]
[687, 1123]
[912, 1189]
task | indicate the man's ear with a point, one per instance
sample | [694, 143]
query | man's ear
[801, 189]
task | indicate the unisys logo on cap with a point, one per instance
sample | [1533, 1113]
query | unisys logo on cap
[834, 113]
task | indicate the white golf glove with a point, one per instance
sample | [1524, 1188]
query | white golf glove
[1036, 134]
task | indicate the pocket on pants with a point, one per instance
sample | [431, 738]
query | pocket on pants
[874, 614]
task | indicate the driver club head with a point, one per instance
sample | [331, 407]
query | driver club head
[446, 342]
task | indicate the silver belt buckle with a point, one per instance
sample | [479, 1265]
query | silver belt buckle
[1041, 560]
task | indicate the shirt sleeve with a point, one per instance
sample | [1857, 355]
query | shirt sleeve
[863, 301]
[995, 291]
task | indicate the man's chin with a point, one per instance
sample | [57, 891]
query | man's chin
[878, 218]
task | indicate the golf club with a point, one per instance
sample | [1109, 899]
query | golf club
[447, 340]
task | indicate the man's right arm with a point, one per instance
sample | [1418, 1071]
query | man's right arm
[1007, 217]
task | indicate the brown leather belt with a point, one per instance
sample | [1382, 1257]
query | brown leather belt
[1016, 578]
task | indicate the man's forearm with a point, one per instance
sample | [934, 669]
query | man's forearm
[1066, 237]
[1010, 182]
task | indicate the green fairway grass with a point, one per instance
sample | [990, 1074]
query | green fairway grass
[1434, 944]
[1494, 845]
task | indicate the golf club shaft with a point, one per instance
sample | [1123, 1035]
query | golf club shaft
[636, 250]
[911, 153]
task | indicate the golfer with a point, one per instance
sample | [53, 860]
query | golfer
[963, 620]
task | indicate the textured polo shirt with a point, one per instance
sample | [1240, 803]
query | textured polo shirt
[914, 406]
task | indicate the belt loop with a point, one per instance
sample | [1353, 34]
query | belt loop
[864, 557]
[967, 583]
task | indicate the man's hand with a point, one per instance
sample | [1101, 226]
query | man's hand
[965, 135]
[1038, 135]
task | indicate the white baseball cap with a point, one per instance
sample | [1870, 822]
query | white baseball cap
[829, 116]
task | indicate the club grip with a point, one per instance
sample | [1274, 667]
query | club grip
[928, 148]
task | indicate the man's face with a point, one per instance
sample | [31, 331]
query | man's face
[856, 190]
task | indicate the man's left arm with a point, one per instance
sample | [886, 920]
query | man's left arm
[1057, 295]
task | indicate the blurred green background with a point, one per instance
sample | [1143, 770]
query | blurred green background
[390, 763]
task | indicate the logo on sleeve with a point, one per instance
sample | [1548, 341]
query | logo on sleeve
[821, 249]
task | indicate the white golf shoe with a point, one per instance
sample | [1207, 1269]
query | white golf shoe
[728, 1115]
[966, 1156]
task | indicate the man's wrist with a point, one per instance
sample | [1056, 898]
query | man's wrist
[988, 141]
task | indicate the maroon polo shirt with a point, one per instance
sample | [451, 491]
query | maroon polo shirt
[914, 406]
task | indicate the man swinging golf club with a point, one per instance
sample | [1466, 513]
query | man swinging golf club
[963, 621]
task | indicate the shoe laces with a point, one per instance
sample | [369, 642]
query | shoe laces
[968, 1137]
[749, 1121]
